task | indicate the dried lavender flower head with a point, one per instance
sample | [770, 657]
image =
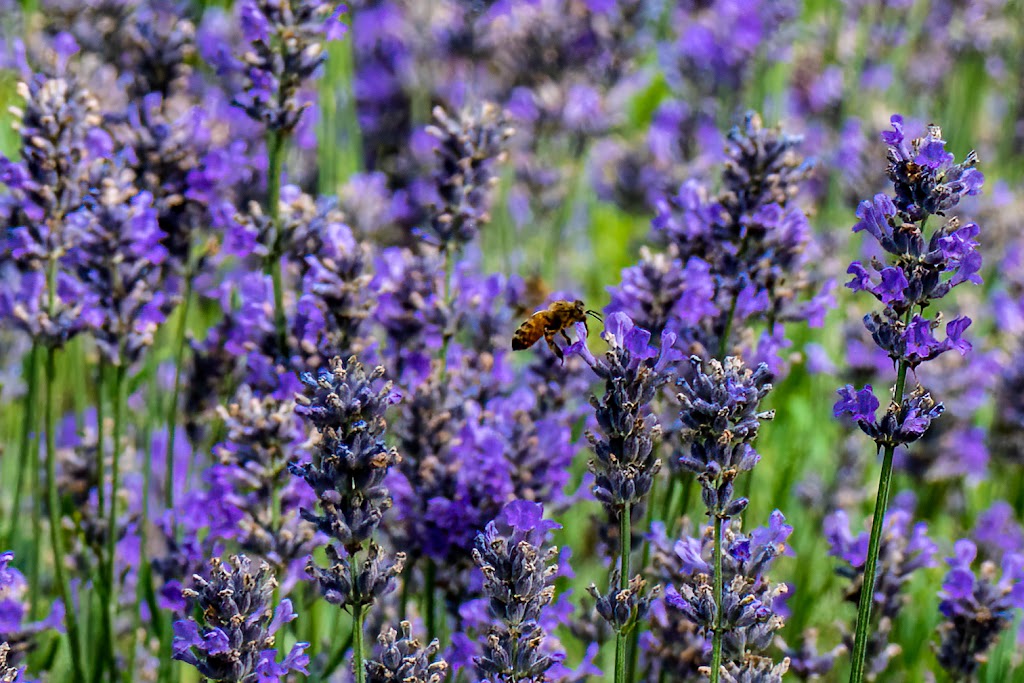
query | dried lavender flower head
[633, 370]
[285, 49]
[519, 577]
[235, 642]
[469, 147]
[405, 660]
[346, 405]
[978, 607]
[721, 417]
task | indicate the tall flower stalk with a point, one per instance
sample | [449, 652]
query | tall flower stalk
[721, 419]
[284, 50]
[625, 465]
[346, 405]
[920, 268]
[47, 187]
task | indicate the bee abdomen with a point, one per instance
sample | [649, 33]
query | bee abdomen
[519, 344]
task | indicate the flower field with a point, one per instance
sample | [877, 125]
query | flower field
[511, 341]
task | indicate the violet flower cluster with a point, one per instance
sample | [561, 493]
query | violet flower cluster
[919, 270]
[235, 640]
[977, 607]
[19, 635]
[285, 48]
[633, 370]
[251, 470]
[721, 417]
[346, 406]
[752, 606]
[405, 659]
[736, 261]
[519, 573]
[468, 149]
[58, 125]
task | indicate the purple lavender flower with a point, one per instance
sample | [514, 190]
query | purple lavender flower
[633, 371]
[346, 406]
[519, 579]
[721, 419]
[977, 607]
[234, 642]
[468, 149]
[751, 603]
[904, 550]
[58, 141]
[118, 259]
[925, 179]
[405, 659]
[745, 256]
[263, 437]
[285, 48]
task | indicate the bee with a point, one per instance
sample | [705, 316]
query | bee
[551, 321]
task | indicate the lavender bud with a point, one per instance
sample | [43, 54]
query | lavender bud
[236, 639]
[405, 660]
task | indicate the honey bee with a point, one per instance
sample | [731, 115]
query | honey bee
[551, 321]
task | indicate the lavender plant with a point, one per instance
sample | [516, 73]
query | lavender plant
[235, 640]
[922, 267]
[624, 465]
[346, 407]
[721, 420]
[976, 607]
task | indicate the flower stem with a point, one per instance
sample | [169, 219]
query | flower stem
[115, 476]
[621, 637]
[358, 617]
[275, 161]
[429, 606]
[446, 334]
[56, 531]
[172, 411]
[719, 588]
[867, 591]
[25, 450]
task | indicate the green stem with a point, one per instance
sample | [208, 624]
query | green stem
[115, 477]
[645, 556]
[56, 531]
[621, 642]
[860, 645]
[719, 588]
[24, 441]
[446, 333]
[358, 616]
[172, 411]
[429, 606]
[275, 162]
[723, 343]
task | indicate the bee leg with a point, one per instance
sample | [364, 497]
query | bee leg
[566, 337]
[586, 329]
[550, 339]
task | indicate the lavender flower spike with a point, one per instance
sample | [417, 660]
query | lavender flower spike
[519, 580]
[235, 642]
[919, 268]
[404, 659]
[721, 419]
[977, 608]
[285, 49]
